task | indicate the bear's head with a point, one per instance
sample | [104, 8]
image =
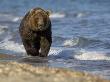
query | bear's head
[38, 19]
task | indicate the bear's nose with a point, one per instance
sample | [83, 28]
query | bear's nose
[40, 25]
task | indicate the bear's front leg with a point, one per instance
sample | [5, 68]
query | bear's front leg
[30, 49]
[44, 47]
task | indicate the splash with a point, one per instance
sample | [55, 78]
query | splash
[54, 51]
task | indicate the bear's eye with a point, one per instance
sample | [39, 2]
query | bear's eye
[36, 18]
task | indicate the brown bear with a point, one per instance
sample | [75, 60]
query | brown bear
[35, 32]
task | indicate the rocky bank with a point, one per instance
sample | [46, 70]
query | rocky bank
[21, 72]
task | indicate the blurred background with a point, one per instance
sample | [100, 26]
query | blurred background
[80, 32]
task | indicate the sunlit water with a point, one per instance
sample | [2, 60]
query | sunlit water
[81, 33]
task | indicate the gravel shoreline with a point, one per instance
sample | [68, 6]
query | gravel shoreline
[22, 72]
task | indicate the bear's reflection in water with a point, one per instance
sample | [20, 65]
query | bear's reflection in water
[34, 60]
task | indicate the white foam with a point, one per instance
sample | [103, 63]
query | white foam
[81, 14]
[1, 32]
[2, 29]
[55, 51]
[11, 45]
[9, 17]
[57, 15]
[1, 26]
[70, 42]
[92, 55]
[15, 19]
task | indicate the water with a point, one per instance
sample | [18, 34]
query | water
[81, 30]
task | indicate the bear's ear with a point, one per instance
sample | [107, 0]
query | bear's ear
[31, 11]
[48, 12]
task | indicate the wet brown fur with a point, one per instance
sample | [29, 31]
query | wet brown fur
[35, 32]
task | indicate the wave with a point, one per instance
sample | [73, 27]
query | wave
[83, 42]
[15, 19]
[78, 41]
[3, 29]
[66, 14]
[77, 14]
[57, 15]
[6, 44]
[9, 17]
[70, 42]
[92, 55]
